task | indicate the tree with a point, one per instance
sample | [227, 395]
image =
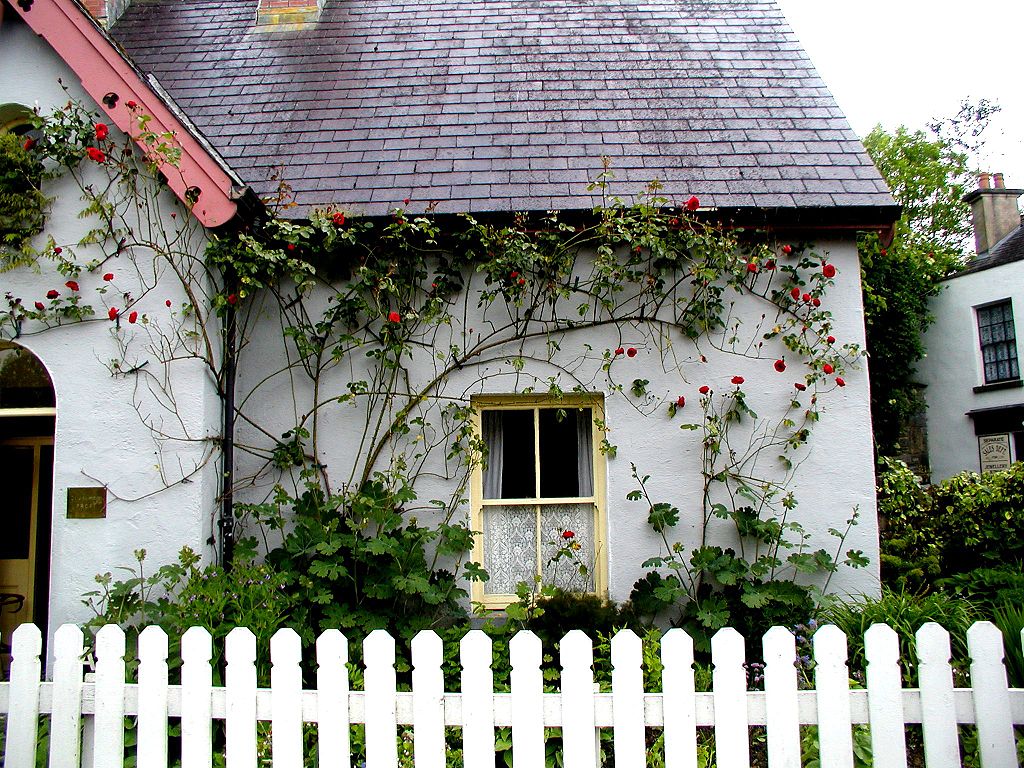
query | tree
[928, 173]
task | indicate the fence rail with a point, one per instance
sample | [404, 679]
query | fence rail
[86, 718]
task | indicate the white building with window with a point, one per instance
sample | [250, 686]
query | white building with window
[972, 371]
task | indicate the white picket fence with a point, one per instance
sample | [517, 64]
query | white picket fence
[87, 718]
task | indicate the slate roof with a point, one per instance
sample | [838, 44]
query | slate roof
[494, 105]
[1006, 251]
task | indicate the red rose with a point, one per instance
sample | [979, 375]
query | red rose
[828, 270]
[769, 265]
[112, 313]
[131, 104]
[109, 276]
[168, 302]
[40, 306]
[102, 131]
[394, 317]
[780, 365]
[692, 204]
[827, 368]
[58, 250]
[29, 143]
[620, 351]
[133, 317]
[885, 252]
[522, 281]
[405, 201]
[787, 249]
[95, 154]
[673, 222]
[232, 299]
[795, 293]
[751, 267]
[831, 339]
[514, 275]
[291, 246]
[737, 380]
[338, 219]
[806, 297]
[816, 302]
[840, 382]
[567, 534]
[704, 390]
[631, 352]
[73, 285]
[800, 386]
[52, 294]
[680, 401]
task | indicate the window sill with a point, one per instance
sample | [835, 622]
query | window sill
[1009, 384]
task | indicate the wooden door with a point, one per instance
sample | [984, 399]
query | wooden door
[26, 479]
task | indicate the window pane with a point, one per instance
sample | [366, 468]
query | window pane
[998, 342]
[565, 572]
[510, 547]
[559, 453]
[517, 477]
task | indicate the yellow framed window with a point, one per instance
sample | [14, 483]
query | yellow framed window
[540, 492]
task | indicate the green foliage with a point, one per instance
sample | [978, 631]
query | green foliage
[1009, 617]
[354, 562]
[561, 611]
[987, 588]
[905, 613]
[928, 177]
[709, 587]
[22, 203]
[186, 594]
[966, 522]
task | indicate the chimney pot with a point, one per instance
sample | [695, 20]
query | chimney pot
[998, 181]
[983, 180]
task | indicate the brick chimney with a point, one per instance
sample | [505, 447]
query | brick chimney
[106, 12]
[993, 211]
[287, 15]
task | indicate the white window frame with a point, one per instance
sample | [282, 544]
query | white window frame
[493, 601]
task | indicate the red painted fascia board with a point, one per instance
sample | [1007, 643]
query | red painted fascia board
[103, 69]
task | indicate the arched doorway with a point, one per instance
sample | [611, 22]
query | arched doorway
[27, 417]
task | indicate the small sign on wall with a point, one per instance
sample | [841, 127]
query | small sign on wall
[995, 452]
[87, 503]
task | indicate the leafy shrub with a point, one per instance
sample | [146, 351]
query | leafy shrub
[22, 204]
[563, 611]
[185, 594]
[987, 588]
[966, 522]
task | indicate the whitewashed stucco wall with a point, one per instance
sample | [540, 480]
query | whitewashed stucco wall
[834, 475]
[953, 365]
[100, 436]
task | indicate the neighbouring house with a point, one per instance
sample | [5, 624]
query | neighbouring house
[345, 113]
[971, 373]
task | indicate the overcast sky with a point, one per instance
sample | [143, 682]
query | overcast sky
[905, 61]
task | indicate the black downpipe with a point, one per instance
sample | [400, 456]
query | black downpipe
[227, 511]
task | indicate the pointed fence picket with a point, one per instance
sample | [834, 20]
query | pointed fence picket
[577, 710]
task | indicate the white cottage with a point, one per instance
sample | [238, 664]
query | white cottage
[972, 373]
[169, 401]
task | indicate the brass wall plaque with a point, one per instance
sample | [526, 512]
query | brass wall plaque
[87, 503]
